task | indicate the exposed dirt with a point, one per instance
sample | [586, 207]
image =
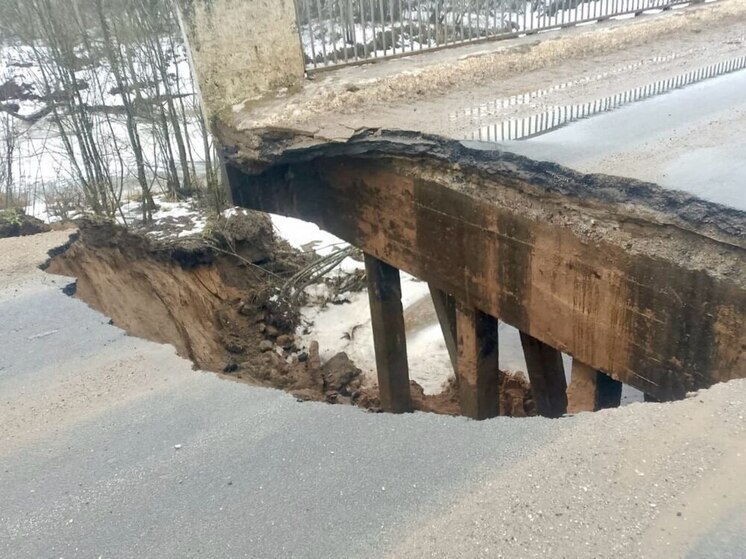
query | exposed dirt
[219, 303]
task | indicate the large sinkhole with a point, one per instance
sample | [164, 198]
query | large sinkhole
[641, 285]
[242, 302]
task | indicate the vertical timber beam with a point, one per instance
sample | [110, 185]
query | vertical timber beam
[547, 376]
[478, 367]
[445, 308]
[608, 392]
[387, 317]
[591, 390]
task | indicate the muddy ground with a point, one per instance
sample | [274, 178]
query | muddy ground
[219, 300]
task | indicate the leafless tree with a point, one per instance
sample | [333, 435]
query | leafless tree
[8, 144]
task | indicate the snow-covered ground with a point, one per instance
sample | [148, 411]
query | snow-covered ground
[347, 327]
[21, 64]
[170, 219]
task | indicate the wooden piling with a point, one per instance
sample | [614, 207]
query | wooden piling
[478, 367]
[547, 376]
[591, 390]
[387, 317]
[445, 308]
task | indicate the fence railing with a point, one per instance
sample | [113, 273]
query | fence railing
[557, 117]
[340, 32]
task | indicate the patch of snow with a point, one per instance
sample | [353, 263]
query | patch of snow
[232, 212]
[306, 236]
[173, 209]
[347, 327]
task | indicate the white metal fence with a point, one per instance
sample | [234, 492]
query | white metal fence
[340, 32]
[556, 117]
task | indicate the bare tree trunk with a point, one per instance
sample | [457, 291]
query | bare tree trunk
[113, 53]
[184, 117]
[162, 67]
[9, 140]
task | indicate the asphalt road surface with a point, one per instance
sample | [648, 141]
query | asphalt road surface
[111, 446]
[692, 139]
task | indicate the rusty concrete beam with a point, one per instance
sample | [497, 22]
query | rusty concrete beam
[387, 319]
[646, 284]
[477, 365]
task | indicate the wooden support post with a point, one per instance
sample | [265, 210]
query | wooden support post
[591, 390]
[547, 376]
[387, 317]
[445, 308]
[478, 367]
[608, 392]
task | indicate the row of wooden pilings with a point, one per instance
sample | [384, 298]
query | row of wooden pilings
[471, 337]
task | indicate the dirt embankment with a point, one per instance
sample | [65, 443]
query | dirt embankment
[220, 304]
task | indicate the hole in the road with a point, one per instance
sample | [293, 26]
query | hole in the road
[221, 306]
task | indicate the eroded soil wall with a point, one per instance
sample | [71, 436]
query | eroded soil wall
[222, 312]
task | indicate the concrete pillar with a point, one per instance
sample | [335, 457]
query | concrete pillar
[241, 50]
[608, 392]
[445, 308]
[387, 317]
[591, 390]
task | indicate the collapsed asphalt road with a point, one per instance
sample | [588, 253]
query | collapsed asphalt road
[111, 446]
